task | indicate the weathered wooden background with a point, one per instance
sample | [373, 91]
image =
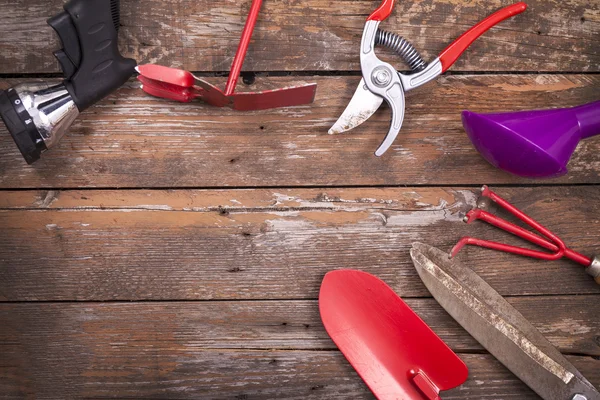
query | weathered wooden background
[168, 250]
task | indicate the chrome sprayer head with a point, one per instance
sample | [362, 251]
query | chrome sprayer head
[37, 115]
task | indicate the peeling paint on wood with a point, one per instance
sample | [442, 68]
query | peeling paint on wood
[184, 244]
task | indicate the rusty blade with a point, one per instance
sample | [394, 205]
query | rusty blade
[362, 105]
[499, 327]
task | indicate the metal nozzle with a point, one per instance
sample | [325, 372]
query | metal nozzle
[37, 115]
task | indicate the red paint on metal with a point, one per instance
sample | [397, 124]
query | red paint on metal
[167, 90]
[383, 11]
[170, 75]
[176, 84]
[179, 85]
[550, 242]
[449, 56]
[391, 348]
[240, 55]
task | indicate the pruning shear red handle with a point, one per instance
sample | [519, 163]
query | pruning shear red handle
[449, 56]
[383, 11]
[455, 50]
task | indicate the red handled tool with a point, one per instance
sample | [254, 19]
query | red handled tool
[392, 349]
[179, 85]
[382, 82]
[548, 240]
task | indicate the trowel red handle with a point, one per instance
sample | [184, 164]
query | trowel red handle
[383, 12]
[452, 52]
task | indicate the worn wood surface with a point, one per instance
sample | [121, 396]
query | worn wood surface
[224, 350]
[279, 324]
[134, 140]
[316, 35]
[110, 369]
[175, 251]
[251, 244]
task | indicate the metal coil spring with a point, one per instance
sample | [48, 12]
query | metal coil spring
[403, 47]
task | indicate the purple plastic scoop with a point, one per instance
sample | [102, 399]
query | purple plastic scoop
[532, 144]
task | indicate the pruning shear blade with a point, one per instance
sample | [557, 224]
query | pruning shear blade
[499, 327]
[363, 105]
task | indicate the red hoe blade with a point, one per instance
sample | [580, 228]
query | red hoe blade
[391, 348]
[180, 85]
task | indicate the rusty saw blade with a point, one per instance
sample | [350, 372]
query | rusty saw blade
[499, 327]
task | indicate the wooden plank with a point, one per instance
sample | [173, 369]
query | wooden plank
[89, 368]
[274, 349]
[570, 323]
[268, 244]
[316, 35]
[134, 140]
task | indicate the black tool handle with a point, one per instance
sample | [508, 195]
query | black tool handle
[70, 55]
[101, 69]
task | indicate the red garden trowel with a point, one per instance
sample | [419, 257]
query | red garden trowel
[180, 85]
[391, 348]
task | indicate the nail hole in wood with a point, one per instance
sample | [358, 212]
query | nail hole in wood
[248, 78]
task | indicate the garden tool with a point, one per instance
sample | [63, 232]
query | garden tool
[499, 327]
[532, 144]
[549, 240]
[382, 82]
[183, 86]
[392, 349]
[37, 115]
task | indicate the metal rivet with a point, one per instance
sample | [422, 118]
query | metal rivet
[579, 397]
[381, 77]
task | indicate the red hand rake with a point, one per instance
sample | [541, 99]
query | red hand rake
[549, 241]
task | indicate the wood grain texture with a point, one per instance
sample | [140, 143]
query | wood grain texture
[211, 263]
[221, 350]
[569, 322]
[134, 140]
[314, 35]
[268, 244]
[110, 370]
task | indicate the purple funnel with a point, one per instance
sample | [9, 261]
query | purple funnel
[532, 144]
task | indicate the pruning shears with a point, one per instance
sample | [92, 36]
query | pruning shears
[382, 82]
